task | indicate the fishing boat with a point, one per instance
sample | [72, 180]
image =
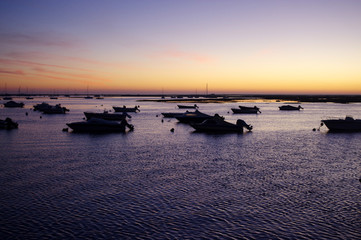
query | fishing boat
[218, 124]
[348, 124]
[107, 116]
[172, 114]
[12, 104]
[187, 106]
[41, 106]
[246, 110]
[195, 116]
[57, 109]
[126, 109]
[290, 108]
[8, 123]
[100, 126]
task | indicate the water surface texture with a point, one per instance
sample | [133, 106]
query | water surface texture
[280, 181]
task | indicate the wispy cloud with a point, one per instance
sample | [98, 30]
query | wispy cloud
[184, 55]
[86, 77]
[13, 72]
[36, 39]
[29, 63]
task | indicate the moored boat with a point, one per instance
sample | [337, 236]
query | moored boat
[172, 114]
[246, 110]
[100, 126]
[57, 109]
[348, 124]
[195, 116]
[41, 106]
[290, 108]
[188, 106]
[126, 109]
[107, 116]
[218, 124]
[8, 123]
[12, 104]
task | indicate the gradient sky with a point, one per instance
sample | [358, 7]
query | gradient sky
[254, 46]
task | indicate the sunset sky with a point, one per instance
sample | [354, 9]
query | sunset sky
[254, 46]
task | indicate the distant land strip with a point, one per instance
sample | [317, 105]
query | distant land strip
[215, 98]
[232, 98]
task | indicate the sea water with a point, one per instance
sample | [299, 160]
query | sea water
[281, 181]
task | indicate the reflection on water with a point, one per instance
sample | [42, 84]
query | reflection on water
[283, 180]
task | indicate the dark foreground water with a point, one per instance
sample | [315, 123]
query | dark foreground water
[282, 181]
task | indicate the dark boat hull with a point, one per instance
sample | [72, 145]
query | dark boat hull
[122, 109]
[80, 127]
[172, 115]
[245, 111]
[341, 125]
[106, 116]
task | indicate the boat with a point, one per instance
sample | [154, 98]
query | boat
[41, 106]
[290, 108]
[195, 116]
[12, 104]
[100, 126]
[7, 98]
[187, 106]
[172, 114]
[107, 116]
[57, 109]
[246, 110]
[126, 109]
[29, 98]
[8, 123]
[218, 124]
[348, 124]
[53, 97]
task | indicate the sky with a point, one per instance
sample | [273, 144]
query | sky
[136, 47]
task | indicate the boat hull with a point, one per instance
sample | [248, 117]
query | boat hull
[106, 116]
[172, 115]
[122, 109]
[342, 125]
[98, 125]
[185, 106]
[245, 111]
[216, 128]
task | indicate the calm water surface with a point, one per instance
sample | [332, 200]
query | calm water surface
[281, 181]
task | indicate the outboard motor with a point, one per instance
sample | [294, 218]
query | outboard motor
[242, 123]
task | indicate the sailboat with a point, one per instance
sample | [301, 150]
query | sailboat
[6, 94]
[87, 94]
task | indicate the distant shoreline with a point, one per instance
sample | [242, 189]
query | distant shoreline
[216, 98]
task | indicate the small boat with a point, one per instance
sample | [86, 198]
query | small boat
[186, 106]
[57, 109]
[7, 98]
[107, 116]
[195, 116]
[246, 110]
[125, 109]
[217, 124]
[12, 104]
[290, 108]
[41, 106]
[8, 123]
[88, 97]
[29, 98]
[349, 124]
[100, 126]
[172, 114]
